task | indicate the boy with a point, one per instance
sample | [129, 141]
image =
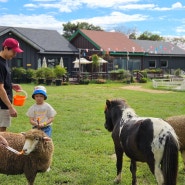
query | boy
[41, 114]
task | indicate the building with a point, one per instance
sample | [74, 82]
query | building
[115, 47]
[163, 55]
[124, 53]
[39, 44]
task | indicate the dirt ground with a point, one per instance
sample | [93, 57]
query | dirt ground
[139, 88]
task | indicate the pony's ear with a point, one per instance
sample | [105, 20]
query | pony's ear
[108, 103]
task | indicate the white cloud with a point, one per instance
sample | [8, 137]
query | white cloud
[177, 5]
[70, 5]
[180, 29]
[113, 19]
[30, 6]
[43, 0]
[33, 21]
[67, 7]
[173, 7]
[137, 7]
[106, 4]
[50, 14]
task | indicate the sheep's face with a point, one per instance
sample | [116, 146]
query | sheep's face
[30, 145]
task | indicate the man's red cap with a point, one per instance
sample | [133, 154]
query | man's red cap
[13, 44]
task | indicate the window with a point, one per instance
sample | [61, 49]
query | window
[18, 62]
[164, 63]
[152, 64]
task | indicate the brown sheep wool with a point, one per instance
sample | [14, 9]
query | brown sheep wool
[178, 124]
[38, 160]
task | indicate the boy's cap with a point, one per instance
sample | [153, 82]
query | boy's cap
[13, 44]
[39, 90]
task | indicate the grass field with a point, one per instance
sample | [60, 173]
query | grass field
[84, 152]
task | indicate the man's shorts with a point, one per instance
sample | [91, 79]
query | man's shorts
[5, 119]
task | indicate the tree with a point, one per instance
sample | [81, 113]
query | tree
[149, 36]
[178, 41]
[70, 28]
[130, 32]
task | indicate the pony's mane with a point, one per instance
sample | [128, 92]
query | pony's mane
[119, 102]
[128, 113]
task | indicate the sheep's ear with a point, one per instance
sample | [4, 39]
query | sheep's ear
[46, 138]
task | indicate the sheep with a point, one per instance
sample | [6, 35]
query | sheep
[178, 124]
[37, 154]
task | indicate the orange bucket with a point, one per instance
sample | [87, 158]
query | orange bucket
[18, 99]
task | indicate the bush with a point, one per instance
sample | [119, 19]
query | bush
[40, 73]
[100, 81]
[84, 81]
[143, 80]
[49, 73]
[59, 71]
[18, 73]
[30, 73]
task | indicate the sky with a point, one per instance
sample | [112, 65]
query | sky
[163, 17]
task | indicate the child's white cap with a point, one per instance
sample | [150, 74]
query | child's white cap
[40, 90]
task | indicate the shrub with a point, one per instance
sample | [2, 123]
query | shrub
[40, 73]
[30, 73]
[100, 81]
[59, 71]
[143, 80]
[18, 73]
[49, 73]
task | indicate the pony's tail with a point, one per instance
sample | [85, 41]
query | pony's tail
[170, 160]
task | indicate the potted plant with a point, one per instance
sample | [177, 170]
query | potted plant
[84, 80]
[40, 76]
[49, 75]
[30, 74]
[95, 61]
[18, 74]
[59, 73]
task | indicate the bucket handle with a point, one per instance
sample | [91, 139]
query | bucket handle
[23, 92]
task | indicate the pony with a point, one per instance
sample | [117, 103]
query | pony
[150, 140]
[178, 124]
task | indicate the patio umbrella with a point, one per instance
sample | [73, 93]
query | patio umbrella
[82, 61]
[61, 62]
[44, 63]
[77, 63]
[39, 63]
[101, 60]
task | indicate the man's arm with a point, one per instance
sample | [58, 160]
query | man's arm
[5, 99]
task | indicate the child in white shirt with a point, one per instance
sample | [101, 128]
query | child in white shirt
[41, 114]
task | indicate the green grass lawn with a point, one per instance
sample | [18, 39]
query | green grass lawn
[84, 151]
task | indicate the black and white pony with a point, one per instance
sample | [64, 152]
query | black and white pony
[150, 140]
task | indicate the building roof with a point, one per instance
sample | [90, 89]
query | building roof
[159, 47]
[109, 41]
[41, 39]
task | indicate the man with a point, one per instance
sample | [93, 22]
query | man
[10, 48]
